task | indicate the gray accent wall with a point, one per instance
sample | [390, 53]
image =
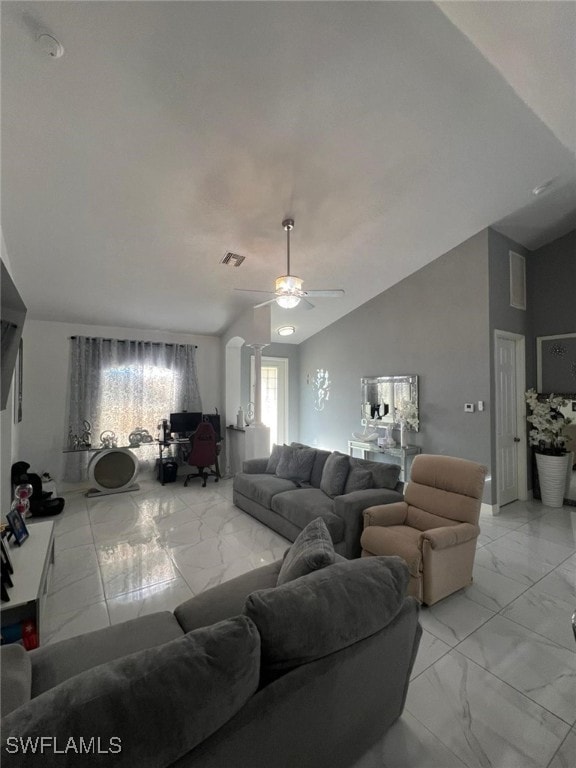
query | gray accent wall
[552, 288]
[435, 323]
[550, 305]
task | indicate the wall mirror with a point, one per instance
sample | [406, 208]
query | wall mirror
[556, 363]
[382, 395]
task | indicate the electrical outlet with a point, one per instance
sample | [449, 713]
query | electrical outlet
[480, 405]
[469, 407]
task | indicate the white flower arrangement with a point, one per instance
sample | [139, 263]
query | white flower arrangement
[547, 421]
[407, 413]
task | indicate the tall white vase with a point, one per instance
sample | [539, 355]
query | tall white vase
[402, 435]
[389, 441]
[552, 476]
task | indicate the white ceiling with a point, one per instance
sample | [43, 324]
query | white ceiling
[172, 132]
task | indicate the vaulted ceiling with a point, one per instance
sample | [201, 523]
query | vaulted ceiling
[170, 133]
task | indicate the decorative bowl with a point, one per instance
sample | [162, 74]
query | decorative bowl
[365, 437]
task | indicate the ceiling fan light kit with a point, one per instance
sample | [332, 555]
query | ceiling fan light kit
[288, 288]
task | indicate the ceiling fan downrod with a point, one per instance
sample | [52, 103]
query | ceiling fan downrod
[288, 225]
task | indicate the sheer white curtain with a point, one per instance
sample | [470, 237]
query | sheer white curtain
[119, 385]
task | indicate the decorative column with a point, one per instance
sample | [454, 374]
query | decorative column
[257, 435]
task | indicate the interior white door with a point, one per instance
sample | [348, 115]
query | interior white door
[507, 439]
[274, 376]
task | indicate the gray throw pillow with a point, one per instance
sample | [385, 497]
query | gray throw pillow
[296, 464]
[275, 455]
[334, 474]
[358, 480]
[147, 709]
[327, 610]
[312, 549]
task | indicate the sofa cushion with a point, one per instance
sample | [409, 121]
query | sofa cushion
[305, 504]
[52, 664]
[401, 540]
[261, 488]
[383, 475]
[358, 480]
[312, 549]
[16, 676]
[156, 705]
[326, 610]
[274, 459]
[296, 464]
[318, 468]
[334, 474]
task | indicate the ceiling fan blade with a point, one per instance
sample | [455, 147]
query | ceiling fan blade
[254, 290]
[329, 294]
[264, 303]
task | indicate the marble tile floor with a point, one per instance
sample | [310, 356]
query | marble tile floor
[494, 683]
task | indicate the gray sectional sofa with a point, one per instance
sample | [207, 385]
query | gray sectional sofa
[300, 483]
[255, 672]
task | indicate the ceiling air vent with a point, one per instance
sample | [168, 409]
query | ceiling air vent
[233, 258]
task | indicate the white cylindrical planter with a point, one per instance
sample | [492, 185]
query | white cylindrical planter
[552, 476]
[568, 474]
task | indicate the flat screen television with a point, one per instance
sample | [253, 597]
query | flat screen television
[184, 423]
[12, 316]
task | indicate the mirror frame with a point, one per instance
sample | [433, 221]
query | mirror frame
[387, 419]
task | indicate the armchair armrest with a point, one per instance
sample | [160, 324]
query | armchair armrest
[450, 535]
[254, 466]
[387, 514]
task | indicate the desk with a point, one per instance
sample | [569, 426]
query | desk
[397, 452]
[167, 444]
[32, 564]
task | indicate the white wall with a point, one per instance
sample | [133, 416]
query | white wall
[46, 376]
[9, 432]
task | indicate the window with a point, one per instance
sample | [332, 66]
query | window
[133, 396]
[119, 385]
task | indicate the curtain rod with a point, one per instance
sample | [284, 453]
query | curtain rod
[139, 341]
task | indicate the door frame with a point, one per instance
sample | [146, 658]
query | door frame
[522, 452]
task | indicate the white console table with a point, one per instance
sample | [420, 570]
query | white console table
[404, 454]
[32, 564]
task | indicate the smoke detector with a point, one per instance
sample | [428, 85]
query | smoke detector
[50, 46]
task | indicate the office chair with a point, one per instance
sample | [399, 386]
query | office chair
[203, 453]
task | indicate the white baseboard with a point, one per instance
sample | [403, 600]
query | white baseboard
[490, 509]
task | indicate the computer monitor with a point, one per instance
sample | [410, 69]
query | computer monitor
[184, 423]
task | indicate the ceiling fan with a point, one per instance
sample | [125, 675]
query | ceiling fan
[288, 291]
